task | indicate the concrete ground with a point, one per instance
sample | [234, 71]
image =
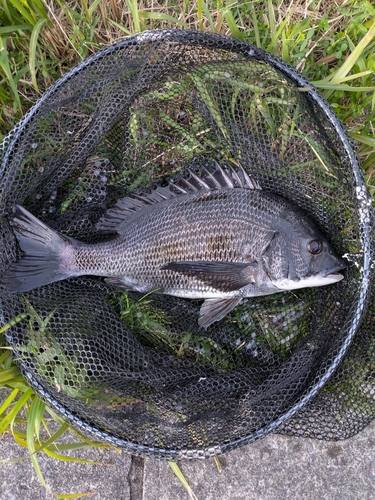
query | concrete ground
[274, 468]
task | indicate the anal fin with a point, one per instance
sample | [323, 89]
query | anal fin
[215, 309]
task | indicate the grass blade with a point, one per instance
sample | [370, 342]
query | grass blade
[235, 32]
[207, 13]
[218, 464]
[33, 44]
[4, 65]
[5, 422]
[178, 473]
[5, 6]
[9, 400]
[120, 27]
[85, 10]
[200, 14]
[66, 458]
[92, 8]
[357, 75]
[370, 141]
[24, 11]
[210, 103]
[17, 383]
[18, 436]
[272, 46]
[13, 460]
[272, 21]
[6, 357]
[76, 495]
[33, 426]
[63, 428]
[78, 446]
[4, 30]
[342, 72]
[133, 7]
[12, 322]
[343, 87]
[254, 21]
[9, 374]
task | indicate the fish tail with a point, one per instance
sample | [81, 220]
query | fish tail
[48, 254]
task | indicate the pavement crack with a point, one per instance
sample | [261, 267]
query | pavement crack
[135, 477]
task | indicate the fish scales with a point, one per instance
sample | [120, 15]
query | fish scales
[224, 226]
[218, 237]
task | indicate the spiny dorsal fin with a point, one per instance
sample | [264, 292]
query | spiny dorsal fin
[229, 179]
[125, 209]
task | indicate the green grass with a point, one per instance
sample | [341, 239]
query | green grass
[333, 47]
[29, 421]
[152, 326]
[332, 44]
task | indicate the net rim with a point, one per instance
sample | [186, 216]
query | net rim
[364, 201]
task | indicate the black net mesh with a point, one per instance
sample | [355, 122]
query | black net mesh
[138, 371]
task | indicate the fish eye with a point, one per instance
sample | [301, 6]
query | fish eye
[315, 247]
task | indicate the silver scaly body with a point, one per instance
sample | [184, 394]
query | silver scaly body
[217, 237]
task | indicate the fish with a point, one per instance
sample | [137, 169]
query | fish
[216, 236]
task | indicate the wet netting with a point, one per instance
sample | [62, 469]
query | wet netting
[137, 371]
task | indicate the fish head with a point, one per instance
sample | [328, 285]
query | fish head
[300, 256]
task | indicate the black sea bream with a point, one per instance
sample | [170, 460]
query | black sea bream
[217, 237]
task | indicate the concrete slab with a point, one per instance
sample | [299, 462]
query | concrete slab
[274, 468]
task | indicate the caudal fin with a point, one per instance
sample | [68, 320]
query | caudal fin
[44, 250]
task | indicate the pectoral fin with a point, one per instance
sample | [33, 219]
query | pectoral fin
[223, 276]
[215, 309]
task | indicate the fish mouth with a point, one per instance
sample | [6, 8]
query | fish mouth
[325, 277]
[332, 277]
[332, 273]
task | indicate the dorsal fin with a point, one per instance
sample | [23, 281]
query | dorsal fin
[224, 177]
[125, 209]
